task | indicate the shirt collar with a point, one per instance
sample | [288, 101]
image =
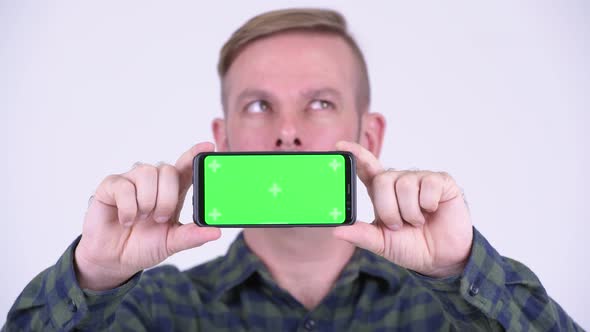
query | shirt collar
[240, 263]
[380, 268]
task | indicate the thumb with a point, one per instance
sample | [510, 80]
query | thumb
[184, 165]
[187, 236]
[362, 235]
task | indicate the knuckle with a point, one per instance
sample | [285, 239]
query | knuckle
[127, 211]
[122, 184]
[430, 180]
[406, 181]
[382, 179]
[146, 170]
[160, 163]
[446, 176]
[167, 168]
[124, 193]
[109, 180]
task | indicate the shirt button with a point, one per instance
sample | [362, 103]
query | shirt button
[309, 324]
[473, 290]
[72, 306]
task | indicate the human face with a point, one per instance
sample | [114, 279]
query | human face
[290, 92]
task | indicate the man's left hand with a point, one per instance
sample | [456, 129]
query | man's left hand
[422, 222]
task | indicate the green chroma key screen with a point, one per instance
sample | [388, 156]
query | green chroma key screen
[275, 189]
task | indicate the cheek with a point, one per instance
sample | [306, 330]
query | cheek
[243, 136]
[322, 136]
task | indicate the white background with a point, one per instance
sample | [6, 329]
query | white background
[497, 94]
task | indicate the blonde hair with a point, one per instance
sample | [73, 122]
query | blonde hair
[289, 20]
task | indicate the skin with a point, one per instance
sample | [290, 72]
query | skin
[291, 91]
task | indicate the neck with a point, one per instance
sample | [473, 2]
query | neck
[306, 262]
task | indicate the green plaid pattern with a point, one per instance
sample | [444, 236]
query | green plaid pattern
[237, 293]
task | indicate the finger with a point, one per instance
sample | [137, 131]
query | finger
[385, 202]
[184, 165]
[362, 235]
[407, 189]
[431, 188]
[119, 192]
[450, 189]
[367, 165]
[167, 200]
[189, 236]
[145, 179]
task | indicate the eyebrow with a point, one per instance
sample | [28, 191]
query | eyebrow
[250, 93]
[316, 93]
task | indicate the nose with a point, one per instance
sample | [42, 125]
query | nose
[281, 144]
[288, 135]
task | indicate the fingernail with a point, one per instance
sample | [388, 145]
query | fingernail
[396, 227]
[143, 216]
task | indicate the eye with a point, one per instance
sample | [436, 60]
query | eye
[257, 106]
[319, 104]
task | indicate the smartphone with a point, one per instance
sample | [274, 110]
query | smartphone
[274, 189]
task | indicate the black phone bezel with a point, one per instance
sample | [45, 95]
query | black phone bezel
[198, 188]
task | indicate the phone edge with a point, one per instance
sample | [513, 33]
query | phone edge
[196, 193]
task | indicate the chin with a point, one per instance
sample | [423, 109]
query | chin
[294, 231]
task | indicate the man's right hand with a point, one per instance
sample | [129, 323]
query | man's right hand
[132, 223]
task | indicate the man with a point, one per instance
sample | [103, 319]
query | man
[291, 80]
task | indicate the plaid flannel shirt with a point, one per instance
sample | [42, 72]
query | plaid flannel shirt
[237, 293]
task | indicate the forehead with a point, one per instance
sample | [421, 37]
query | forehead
[292, 61]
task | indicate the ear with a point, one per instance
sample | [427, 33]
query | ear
[372, 132]
[218, 127]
